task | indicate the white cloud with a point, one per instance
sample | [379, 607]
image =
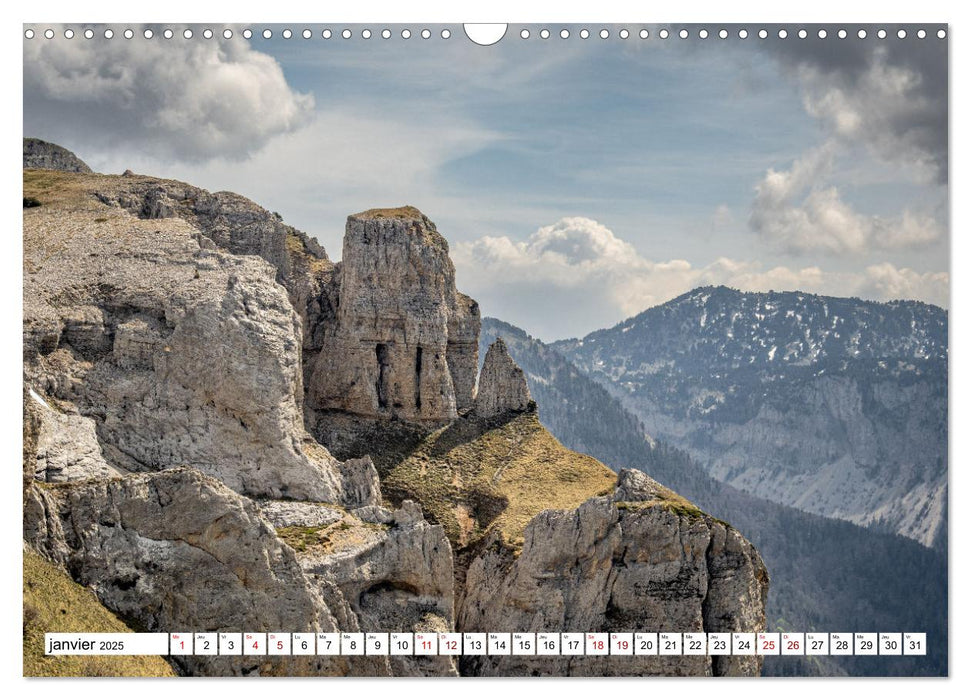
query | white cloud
[797, 211]
[890, 98]
[884, 281]
[579, 276]
[190, 100]
[893, 104]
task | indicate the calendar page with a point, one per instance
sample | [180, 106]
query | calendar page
[591, 349]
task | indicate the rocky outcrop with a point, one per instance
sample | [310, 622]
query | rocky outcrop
[229, 221]
[41, 155]
[67, 447]
[180, 551]
[502, 384]
[392, 569]
[640, 560]
[405, 343]
[181, 354]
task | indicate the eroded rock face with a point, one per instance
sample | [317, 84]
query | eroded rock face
[178, 550]
[42, 155]
[405, 342]
[229, 221]
[31, 434]
[618, 565]
[502, 384]
[67, 447]
[390, 570]
[175, 327]
[181, 355]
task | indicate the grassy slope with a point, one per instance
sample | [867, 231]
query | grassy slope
[471, 477]
[55, 187]
[54, 603]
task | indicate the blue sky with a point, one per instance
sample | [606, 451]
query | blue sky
[577, 181]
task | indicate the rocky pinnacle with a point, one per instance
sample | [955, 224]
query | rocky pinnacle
[502, 384]
[405, 342]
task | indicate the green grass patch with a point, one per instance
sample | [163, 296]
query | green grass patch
[40, 182]
[55, 603]
[679, 507]
[298, 251]
[303, 538]
[329, 539]
[295, 244]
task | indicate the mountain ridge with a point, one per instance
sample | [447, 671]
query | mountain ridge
[834, 405]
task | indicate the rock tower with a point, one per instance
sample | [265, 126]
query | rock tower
[404, 343]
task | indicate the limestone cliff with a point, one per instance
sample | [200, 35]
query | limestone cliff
[176, 343]
[640, 559]
[148, 347]
[547, 539]
[174, 353]
[404, 344]
[180, 551]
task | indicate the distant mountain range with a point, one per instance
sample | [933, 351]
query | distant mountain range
[833, 406]
[826, 575]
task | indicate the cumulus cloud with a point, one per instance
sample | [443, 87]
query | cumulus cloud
[191, 100]
[579, 276]
[884, 281]
[799, 212]
[890, 97]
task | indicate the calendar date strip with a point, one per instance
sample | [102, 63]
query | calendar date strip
[489, 644]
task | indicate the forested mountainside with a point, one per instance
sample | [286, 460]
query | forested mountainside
[834, 406]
